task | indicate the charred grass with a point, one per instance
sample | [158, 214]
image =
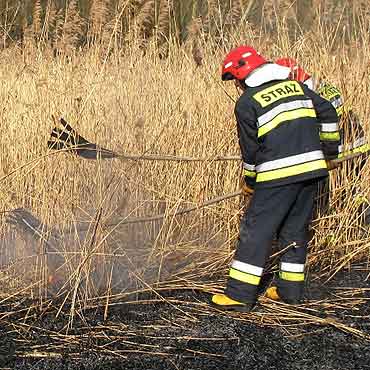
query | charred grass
[178, 329]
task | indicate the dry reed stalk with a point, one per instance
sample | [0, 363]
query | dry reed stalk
[164, 19]
[212, 18]
[69, 29]
[99, 18]
[164, 24]
[58, 31]
[73, 26]
[279, 16]
[50, 20]
[36, 18]
[212, 8]
[145, 20]
[235, 13]
[28, 40]
[194, 37]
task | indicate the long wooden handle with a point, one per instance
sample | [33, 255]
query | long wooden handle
[211, 201]
[177, 213]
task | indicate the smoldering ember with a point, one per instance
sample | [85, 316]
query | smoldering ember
[184, 184]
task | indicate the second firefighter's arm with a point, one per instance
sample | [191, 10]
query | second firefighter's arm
[247, 132]
[328, 120]
[354, 137]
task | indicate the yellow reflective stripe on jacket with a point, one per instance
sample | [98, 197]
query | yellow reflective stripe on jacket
[286, 116]
[290, 161]
[291, 276]
[341, 110]
[249, 170]
[284, 107]
[329, 127]
[363, 149]
[361, 199]
[360, 149]
[330, 136]
[244, 277]
[291, 171]
[249, 173]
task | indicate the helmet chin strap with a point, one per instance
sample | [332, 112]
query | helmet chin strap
[238, 90]
[239, 86]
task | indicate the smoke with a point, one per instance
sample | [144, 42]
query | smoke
[86, 256]
[83, 254]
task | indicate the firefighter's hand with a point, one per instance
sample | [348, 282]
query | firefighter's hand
[246, 190]
[331, 165]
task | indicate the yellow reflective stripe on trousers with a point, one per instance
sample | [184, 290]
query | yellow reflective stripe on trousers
[244, 277]
[286, 116]
[249, 173]
[291, 171]
[334, 136]
[291, 276]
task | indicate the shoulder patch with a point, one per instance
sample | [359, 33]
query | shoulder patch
[277, 92]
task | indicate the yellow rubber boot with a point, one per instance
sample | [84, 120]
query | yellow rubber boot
[222, 301]
[272, 293]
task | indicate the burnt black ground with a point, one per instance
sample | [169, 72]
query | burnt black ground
[179, 335]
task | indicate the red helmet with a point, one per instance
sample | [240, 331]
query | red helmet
[240, 62]
[296, 71]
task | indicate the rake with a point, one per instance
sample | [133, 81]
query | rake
[68, 139]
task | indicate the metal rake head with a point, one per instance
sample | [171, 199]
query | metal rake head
[67, 138]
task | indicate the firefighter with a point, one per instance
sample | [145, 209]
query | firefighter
[279, 123]
[353, 138]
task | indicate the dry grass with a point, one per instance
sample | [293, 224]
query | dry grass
[94, 99]
[140, 104]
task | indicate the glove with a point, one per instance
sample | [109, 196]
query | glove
[331, 165]
[246, 190]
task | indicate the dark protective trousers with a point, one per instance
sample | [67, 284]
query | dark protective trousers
[285, 212]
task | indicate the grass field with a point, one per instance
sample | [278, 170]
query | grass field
[142, 98]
